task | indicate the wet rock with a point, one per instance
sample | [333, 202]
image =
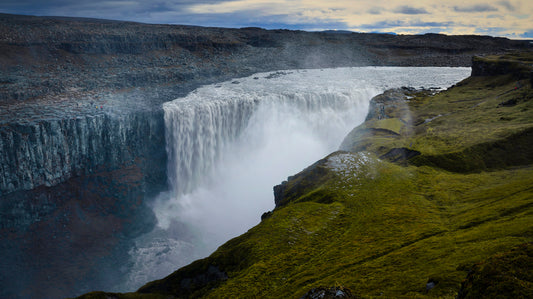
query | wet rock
[328, 293]
[266, 215]
[431, 284]
[399, 155]
[185, 283]
[212, 274]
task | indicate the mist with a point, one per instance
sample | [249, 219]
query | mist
[230, 143]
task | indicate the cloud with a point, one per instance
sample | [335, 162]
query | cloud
[475, 8]
[382, 25]
[409, 10]
[117, 9]
[493, 31]
[507, 5]
[375, 10]
[411, 26]
[397, 16]
[431, 24]
[527, 34]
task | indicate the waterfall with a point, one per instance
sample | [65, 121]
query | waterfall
[201, 131]
[197, 132]
[228, 144]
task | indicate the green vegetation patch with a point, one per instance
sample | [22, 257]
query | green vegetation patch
[506, 275]
[392, 125]
[390, 230]
[388, 233]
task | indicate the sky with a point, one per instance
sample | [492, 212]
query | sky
[507, 18]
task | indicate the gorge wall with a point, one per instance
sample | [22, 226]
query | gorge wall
[82, 61]
[55, 72]
[46, 153]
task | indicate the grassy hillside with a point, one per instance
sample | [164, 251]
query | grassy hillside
[430, 187]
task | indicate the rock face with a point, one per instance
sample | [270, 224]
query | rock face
[73, 237]
[388, 117]
[297, 185]
[521, 69]
[47, 153]
[328, 293]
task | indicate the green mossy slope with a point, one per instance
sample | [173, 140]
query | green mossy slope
[506, 275]
[422, 193]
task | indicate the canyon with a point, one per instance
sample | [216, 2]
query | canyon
[82, 128]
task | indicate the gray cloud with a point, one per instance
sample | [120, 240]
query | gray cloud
[382, 25]
[475, 8]
[375, 10]
[248, 19]
[507, 4]
[432, 24]
[119, 9]
[179, 12]
[163, 12]
[494, 31]
[399, 23]
[409, 10]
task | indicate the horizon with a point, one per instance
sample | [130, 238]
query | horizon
[339, 31]
[505, 18]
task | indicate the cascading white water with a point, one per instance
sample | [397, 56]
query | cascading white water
[206, 127]
[228, 144]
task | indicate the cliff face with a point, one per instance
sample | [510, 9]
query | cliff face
[74, 192]
[46, 153]
[515, 65]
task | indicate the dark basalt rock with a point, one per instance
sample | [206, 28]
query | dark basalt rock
[328, 293]
[399, 155]
[297, 185]
[384, 105]
[48, 152]
[185, 284]
[493, 67]
[212, 274]
[391, 104]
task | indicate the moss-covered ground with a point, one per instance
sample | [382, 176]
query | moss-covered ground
[398, 230]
